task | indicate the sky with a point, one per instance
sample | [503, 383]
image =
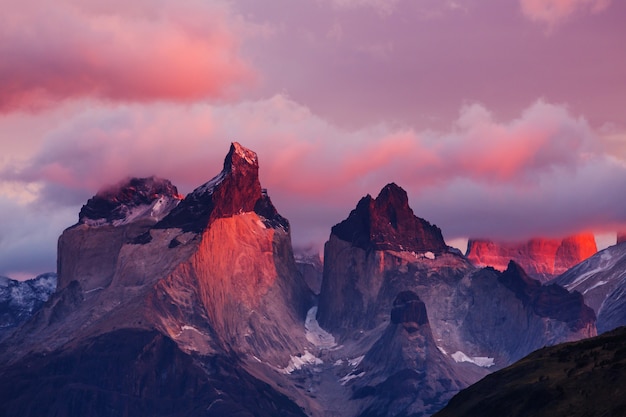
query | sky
[501, 119]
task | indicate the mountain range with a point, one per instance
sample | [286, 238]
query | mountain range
[174, 306]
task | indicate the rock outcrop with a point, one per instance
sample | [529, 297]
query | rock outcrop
[360, 251]
[542, 259]
[405, 372]
[621, 237]
[512, 314]
[388, 223]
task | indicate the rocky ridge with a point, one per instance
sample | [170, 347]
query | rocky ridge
[601, 280]
[543, 259]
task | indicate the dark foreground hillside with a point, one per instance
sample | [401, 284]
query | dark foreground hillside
[585, 378]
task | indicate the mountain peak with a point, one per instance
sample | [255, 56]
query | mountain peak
[388, 223]
[238, 155]
[129, 200]
[236, 189]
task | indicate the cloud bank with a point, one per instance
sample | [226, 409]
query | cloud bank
[117, 51]
[545, 172]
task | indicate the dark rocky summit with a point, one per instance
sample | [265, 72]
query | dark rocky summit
[388, 223]
[234, 190]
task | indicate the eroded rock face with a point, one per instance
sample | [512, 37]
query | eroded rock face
[405, 373]
[88, 251]
[542, 259]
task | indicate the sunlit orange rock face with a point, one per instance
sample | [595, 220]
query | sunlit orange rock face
[540, 258]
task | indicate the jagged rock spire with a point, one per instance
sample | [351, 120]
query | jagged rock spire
[234, 190]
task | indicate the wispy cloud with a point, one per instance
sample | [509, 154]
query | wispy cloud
[553, 12]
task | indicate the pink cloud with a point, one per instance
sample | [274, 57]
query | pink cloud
[556, 11]
[128, 53]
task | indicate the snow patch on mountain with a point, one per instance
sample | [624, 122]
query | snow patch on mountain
[315, 334]
[299, 361]
[606, 262]
[481, 361]
[350, 377]
[210, 186]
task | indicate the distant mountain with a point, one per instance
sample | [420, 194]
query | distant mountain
[542, 259]
[19, 300]
[312, 269]
[579, 379]
[601, 280]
